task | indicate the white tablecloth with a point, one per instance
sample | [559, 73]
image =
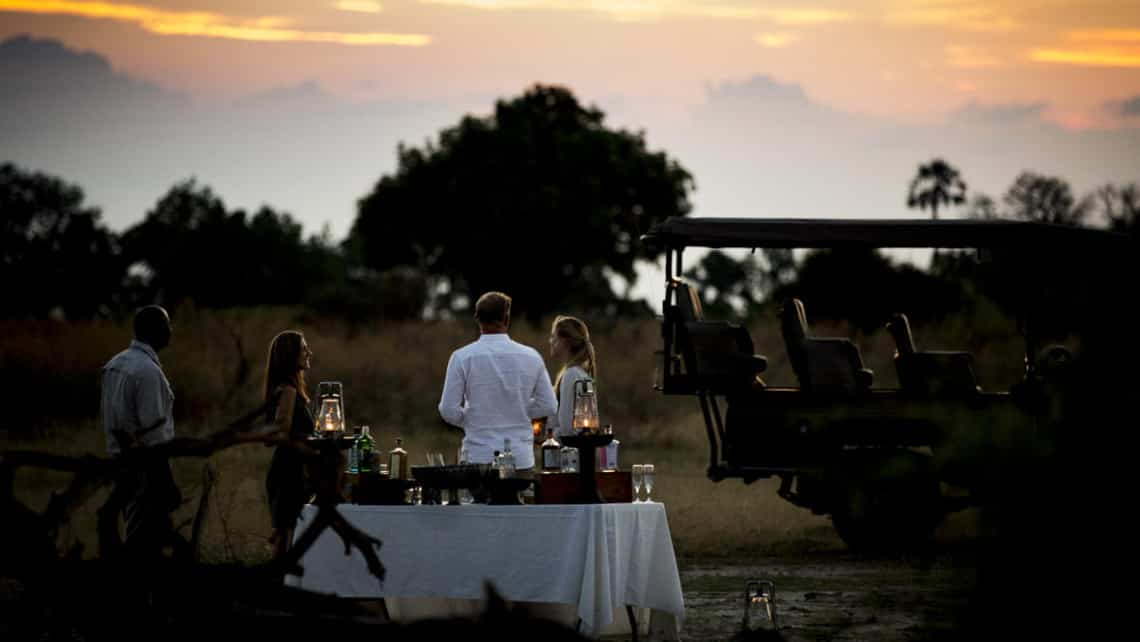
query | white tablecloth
[599, 557]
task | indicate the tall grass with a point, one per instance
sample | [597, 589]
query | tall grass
[393, 374]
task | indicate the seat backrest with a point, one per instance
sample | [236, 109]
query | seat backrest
[833, 366]
[829, 365]
[688, 301]
[930, 373]
[719, 354]
[899, 327]
[793, 325]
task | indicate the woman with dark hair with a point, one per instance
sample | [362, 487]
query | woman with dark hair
[289, 358]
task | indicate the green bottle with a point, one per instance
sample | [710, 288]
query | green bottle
[364, 448]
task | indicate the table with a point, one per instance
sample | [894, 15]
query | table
[599, 558]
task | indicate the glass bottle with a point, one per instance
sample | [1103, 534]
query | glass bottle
[354, 452]
[551, 453]
[398, 461]
[365, 452]
[497, 464]
[508, 468]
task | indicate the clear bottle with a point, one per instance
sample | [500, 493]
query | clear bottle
[354, 453]
[551, 453]
[365, 452]
[508, 468]
[398, 461]
[610, 459]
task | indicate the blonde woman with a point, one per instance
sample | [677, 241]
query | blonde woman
[570, 345]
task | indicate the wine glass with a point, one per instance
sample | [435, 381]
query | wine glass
[638, 477]
[647, 474]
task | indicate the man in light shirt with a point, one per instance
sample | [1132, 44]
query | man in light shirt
[137, 408]
[495, 386]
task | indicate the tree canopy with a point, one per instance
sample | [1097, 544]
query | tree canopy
[540, 200]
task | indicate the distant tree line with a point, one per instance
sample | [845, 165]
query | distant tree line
[540, 200]
[864, 287]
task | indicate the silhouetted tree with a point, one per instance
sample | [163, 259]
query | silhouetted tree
[190, 247]
[1120, 206]
[55, 254]
[937, 183]
[864, 288]
[982, 207]
[1045, 199]
[1024, 284]
[726, 283]
[540, 200]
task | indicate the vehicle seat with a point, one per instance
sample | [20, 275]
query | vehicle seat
[718, 354]
[822, 365]
[930, 373]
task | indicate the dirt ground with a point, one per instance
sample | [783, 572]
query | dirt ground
[832, 595]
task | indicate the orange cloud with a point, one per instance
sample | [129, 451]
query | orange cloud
[964, 57]
[656, 9]
[774, 40]
[1094, 48]
[360, 6]
[955, 15]
[207, 24]
[1102, 35]
[804, 16]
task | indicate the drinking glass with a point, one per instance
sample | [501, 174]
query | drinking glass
[638, 477]
[647, 474]
[569, 459]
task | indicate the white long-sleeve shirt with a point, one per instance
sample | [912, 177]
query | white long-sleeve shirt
[492, 390]
[563, 421]
[136, 396]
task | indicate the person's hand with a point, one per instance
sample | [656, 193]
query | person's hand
[125, 439]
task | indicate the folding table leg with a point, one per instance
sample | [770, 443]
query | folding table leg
[632, 622]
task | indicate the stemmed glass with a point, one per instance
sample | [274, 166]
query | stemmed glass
[647, 475]
[638, 477]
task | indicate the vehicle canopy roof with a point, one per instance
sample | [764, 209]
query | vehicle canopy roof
[678, 233]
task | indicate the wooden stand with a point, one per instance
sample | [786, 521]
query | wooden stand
[615, 486]
[587, 446]
[327, 472]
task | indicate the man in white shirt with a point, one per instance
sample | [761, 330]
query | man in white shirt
[137, 408]
[495, 386]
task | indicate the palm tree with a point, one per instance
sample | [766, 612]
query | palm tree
[936, 184]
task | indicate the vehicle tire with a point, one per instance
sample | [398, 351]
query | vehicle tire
[886, 503]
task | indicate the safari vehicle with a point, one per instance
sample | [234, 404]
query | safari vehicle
[877, 459]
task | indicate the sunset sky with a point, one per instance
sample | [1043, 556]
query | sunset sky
[907, 60]
[778, 108]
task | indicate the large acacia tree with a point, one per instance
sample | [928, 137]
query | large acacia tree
[536, 200]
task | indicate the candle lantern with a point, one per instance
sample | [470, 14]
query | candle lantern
[330, 409]
[585, 407]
